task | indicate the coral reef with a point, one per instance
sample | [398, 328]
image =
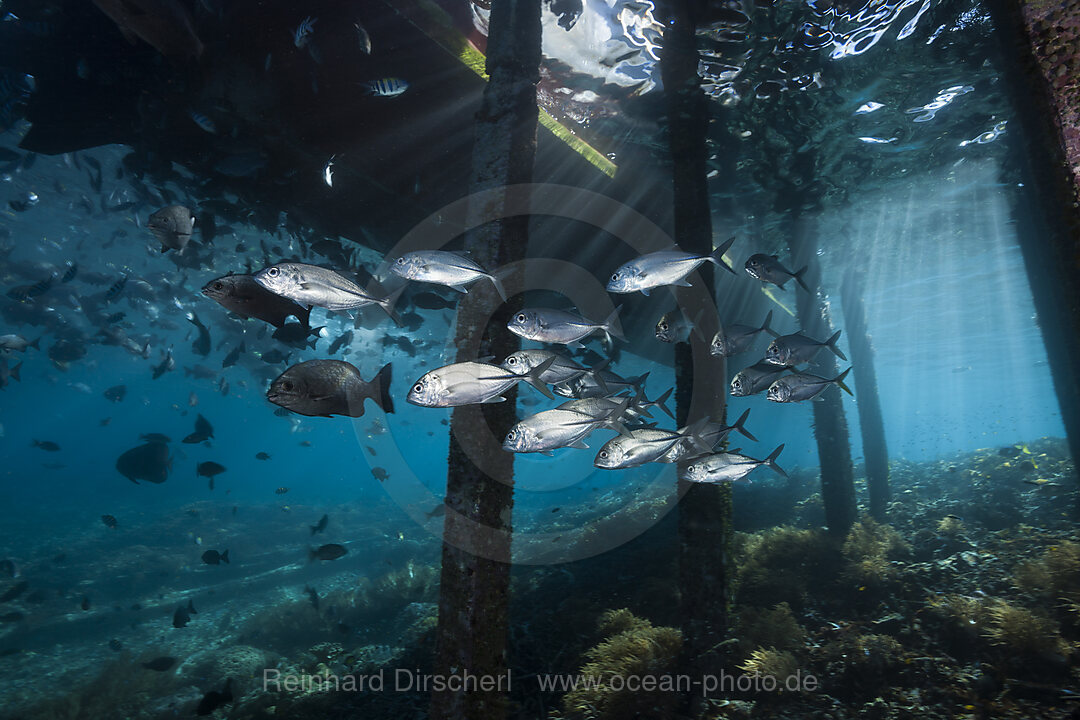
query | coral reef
[632, 648]
[868, 551]
[774, 628]
[783, 564]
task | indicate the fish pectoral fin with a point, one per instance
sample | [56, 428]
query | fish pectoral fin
[579, 445]
[496, 399]
[459, 288]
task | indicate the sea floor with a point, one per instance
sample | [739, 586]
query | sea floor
[966, 605]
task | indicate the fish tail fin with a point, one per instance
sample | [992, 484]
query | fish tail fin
[840, 382]
[381, 391]
[533, 377]
[738, 426]
[771, 461]
[225, 557]
[765, 326]
[191, 607]
[596, 372]
[798, 275]
[314, 529]
[612, 327]
[36, 344]
[717, 255]
[661, 402]
[15, 372]
[831, 344]
[496, 279]
[388, 302]
[693, 433]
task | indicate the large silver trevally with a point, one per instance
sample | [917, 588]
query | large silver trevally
[638, 407]
[796, 349]
[552, 429]
[666, 267]
[314, 285]
[675, 327]
[735, 339]
[756, 378]
[323, 388]
[804, 386]
[561, 326]
[767, 268]
[711, 434]
[561, 369]
[729, 467]
[598, 384]
[645, 445]
[442, 267]
[471, 383]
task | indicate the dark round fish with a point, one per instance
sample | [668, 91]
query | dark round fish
[323, 388]
[110, 521]
[213, 557]
[331, 551]
[149, 462]
[160, 664]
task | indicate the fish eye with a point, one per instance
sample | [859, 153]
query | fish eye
[603, 453]
[273, 272]
[418, 387]
[520, 317]
[511, 360]
[219, 286]
[663, 326]
[401, 260]
[615, 276]
[287, 385]
[511, 435]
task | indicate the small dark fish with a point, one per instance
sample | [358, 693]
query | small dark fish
[295, 335]
[209, 469]
[149, 462]
[14, 591]
[115, 289]
[116, 393]
[167, 364]
[201, 345]
[243, 296]
[115, 645]
[323, 388]
[46, 445]
[172, 226]
[379, 473]
[70, 273]
[213, 557]
[223, 387]
[183, 614]
[304, 443]
[160, 664]
[115, 318]
[110, 521]
[343, 340]
[431, 301]
[321, 525]
[203, 431]
[370, 450]
[85, 604]
[332, 551]
[155, 438]
[212, 700]
[262, 456]
[234, 355]
[312, 595]
[281, 491]
[275, 357]
[28, 292]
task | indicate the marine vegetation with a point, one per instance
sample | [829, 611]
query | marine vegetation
[869, 551]
[784, 564]
[632, 647]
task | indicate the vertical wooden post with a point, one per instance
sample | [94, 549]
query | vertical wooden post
[705, 526]
[475, 582]
[1040, 48]
[871, 424]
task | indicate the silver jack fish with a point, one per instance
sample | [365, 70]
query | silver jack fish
[729, 467]
[804, 386]
[737, 338]
[796, 349]
[755, 378]
[767, 268]
[710, 435]
[666, 267]
[646, 445]
[552, 429]
[323, 388]
[313, 285]
[562, 369]
[242, 295]
[441, 267]
[560, 326]
[471, 383]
